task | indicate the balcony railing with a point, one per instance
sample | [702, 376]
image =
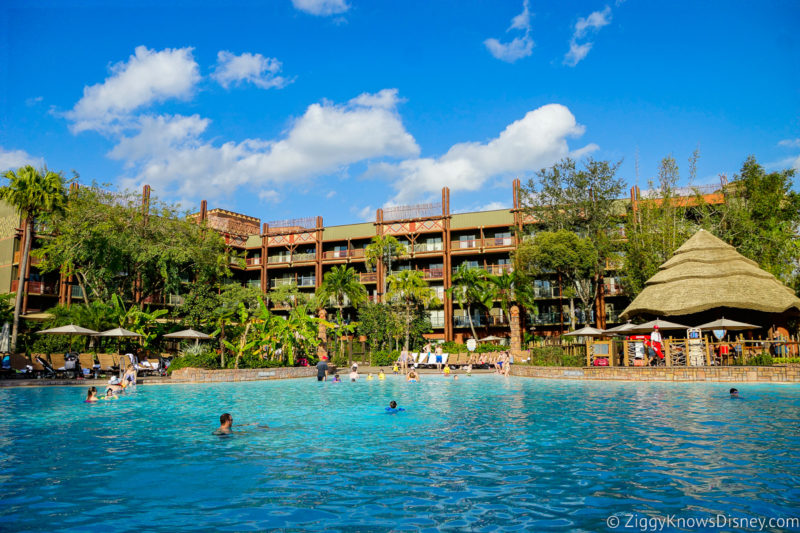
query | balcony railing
[613, 290]
[307, 281]
[175, 299]
[437, 321]
[499, 269]
[279, 258]
[470, 244]
[432, 273]
[37, 287]
[496, 242]
[546, 292]
[548, 318]
[280, 282]
[336, 254]
[296, 258]
[368, 277]
[252, 261]
[424, 247]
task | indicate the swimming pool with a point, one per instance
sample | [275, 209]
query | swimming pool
[484, 453]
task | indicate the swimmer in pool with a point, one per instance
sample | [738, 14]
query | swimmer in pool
[225, 424]
[336, 379]
[734, 393]
[369, 377]
[412, 377]
[446, 370]
[393, 408]
[381, 375]
[91, 396]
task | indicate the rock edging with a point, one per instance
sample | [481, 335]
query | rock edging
[203, 375]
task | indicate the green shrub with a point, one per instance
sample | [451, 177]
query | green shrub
[762, 359]
[195, 357]
[454, 347]
[554, 356]
[385, 358]
[786, 360]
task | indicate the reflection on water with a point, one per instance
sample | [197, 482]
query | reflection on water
[481, 453]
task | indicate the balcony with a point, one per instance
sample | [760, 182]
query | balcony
[462, 321]
[499, 269]
[437, 321]
[470, 244]
[546, 292]
[432, 273]
[37, 287]
[300, 258]
[307, 281]
[175, 300]
[280, 282]
[368, 277]
[253, 261]
[613, 290]
[428, 247]
[497, 242]
[548, 318]
[336, 254]
[33, 260]
[279, 259]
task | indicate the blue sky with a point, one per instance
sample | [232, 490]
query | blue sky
[336, 107]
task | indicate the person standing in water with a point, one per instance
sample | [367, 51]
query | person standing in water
[322, 369]
[225, 424]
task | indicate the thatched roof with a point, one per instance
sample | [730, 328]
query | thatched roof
[706, 273]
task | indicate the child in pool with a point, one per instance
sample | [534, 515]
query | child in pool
[393, 408]
[336, 379]
[446, 370]
[395, 369]
[91, 396]
[381, 375]
[369, 377]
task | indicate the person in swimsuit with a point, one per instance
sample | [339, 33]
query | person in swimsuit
[322, 369]
[91, 396]
[225, 423]
[438, 358]
[381, 375]
[734, 393]
[412, 377]
[392, 409]
[353, 374]
[446, 370]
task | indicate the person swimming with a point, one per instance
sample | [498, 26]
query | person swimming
[91, 396]
[225, 424]
[392, 409]
[369, 377]
[734, 393]
[381, 375]
[336, 379]
[412, 377]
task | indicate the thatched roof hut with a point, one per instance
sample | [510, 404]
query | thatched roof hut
[707, 273]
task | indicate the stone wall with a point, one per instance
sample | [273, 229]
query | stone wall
[201, 375]
[732, 374]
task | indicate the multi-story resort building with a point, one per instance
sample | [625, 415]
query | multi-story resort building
[300, 251]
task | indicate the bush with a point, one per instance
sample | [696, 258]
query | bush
[454, 347]
[554, 356]
[195, 357]
[786, 360]
[385, 358]
[762, 359]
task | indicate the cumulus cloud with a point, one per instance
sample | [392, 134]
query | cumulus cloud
[321, 8]
[269, 196]
[584, 27]
[248, 68]
[148, 76]
[13, 159]
[169, 151]
[521, 46]
[537, 140]
[790, 143]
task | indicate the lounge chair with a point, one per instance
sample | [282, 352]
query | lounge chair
[88, 364]
[47, 369]
[108, 364]
[67, 364]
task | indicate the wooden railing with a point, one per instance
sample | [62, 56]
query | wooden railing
[37, 287]
[368, 277]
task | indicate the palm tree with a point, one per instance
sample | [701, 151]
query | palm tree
[341, 284]
[34, 193]
[384, 249]
[468, 288]
[503, 287]
[409, 288]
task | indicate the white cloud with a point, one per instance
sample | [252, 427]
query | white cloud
[790, 143]
[519, 47]
[169, 151]
[537, 140]
[330, 195]
[585, 26]
[321, 8]
[13, 159]
[366, 213]
[269, 196]
[148, 76]
[248, 68]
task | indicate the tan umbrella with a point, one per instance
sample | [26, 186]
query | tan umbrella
[587, 331]
[647, 327]
[188, 334]
[71, 329]
[622, 329]
[728, 325]
[118, 332]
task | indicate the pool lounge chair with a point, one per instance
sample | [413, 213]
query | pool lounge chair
[47, 369]
[108, 363]
[66, 365]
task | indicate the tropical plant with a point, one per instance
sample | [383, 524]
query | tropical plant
[468, 288]
[34, 193]
[410, 290]
[384, 250]
[339, 286]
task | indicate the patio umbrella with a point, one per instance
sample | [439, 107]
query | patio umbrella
[118, 332]
[729, 325]
[71, 329]
[622, 329]
[587, 331]
[491, 338]
[647, 327]
[188, 334]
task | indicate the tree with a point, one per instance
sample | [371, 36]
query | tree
[409, 289]
[659, 224]
[468, 286]
[502, 286]
[288, 295]
[585, 201]
[34, 193]
[113, 244]
[384, 249]
[570, 257]
[761, 218]
[341, 284]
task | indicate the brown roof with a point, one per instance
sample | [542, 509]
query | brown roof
[706, 273]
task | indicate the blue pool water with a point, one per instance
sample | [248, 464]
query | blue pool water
[484, 453]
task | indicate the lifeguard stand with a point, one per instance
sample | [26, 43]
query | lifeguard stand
[696, 347]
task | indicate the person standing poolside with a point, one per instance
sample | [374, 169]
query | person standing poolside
[439, 357]
[506, 364]
[225, 423]
[322, 369]
[469, 369]
[655, 342]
